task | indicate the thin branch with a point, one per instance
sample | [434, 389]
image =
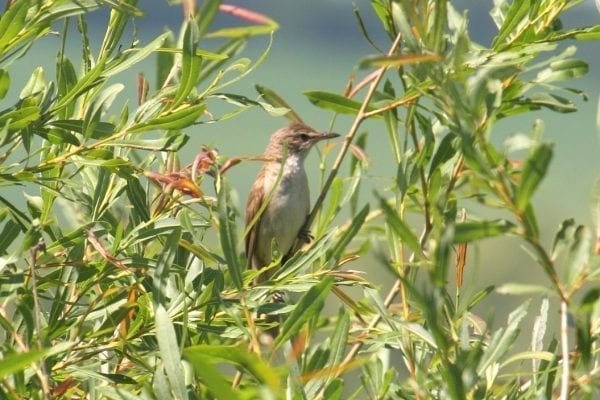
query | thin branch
[564, 339]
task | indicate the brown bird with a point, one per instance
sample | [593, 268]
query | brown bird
[283, 219]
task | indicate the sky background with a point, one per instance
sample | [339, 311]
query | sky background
[317, 47]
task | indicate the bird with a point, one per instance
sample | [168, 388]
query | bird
[283, 183]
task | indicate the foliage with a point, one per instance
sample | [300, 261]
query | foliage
[109, 288]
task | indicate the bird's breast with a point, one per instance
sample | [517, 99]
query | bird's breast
[288, 206]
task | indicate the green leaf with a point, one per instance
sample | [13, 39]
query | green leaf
[86, 83]
[134, 56]
[172, 142]
[229, 50]
[165, 59]
[174, 120]
[351, 232]
[16, 362]
[200, 251]
[309, 306]
[35, 84]
[4, 82]
[334, 205]
[562, 70]
[207, 14]
[150, 230]
[476, 230]
[169, 352]
[396, 61]
[585, 319]
[214, 380]
[59, 136]
[519, 289]
[164, 265]
[11, 23]
[510, 23]
[578, 255]
[339, 338]
[400, 227]
[137, 197]
[243, 101]
[402, 23]
[552, 102]
[190, 65]
[445, 151]
[334, 102]
[534, 171]
[502, 339]
[20, 118]
[239, 356]
[276, 101]
[227, 233]
[10, 231]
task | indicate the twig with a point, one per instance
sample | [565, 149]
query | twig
[564, 340]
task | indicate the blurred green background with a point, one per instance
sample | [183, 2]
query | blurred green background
[317, 47]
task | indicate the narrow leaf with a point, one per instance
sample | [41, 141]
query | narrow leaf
[169, 352]
[334, 102]
[238, 356]
[227, 234]
[400, 227]
[178, 119]
[214, 380]
[308, 307]
[4, 82]
[276, 101]
[534, 171]
[357, 222]
[475, 230]
[190, 64]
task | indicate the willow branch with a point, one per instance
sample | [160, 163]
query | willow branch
[360, 117]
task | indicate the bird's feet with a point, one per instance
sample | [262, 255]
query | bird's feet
[305, 235]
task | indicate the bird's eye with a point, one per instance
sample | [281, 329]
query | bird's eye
[304, 137]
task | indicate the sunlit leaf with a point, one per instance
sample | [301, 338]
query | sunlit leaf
[334, 102]
[19, 118]
[563, 70]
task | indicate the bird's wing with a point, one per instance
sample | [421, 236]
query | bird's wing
[252, 207]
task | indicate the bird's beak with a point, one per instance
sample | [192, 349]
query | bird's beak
[325, 136]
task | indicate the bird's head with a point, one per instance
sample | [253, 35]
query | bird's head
[298, 138]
